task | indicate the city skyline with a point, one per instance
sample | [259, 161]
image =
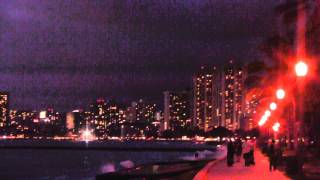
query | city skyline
[216, 99]
[159, 89]
[50, 56]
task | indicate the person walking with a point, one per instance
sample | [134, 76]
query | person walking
[238, 149]
[272, 156]
[230, 153]
[248, 153]
[251, 152]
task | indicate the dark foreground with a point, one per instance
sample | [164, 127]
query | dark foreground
[166, 170]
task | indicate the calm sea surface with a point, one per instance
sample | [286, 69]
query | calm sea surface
[78, 164]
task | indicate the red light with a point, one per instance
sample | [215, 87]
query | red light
[273, 106]
[280, 93]
[276, 126]
[261, 123]
[263, 120]
[301, 69]
[267, 113]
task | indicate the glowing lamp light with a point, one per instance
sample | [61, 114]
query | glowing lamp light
[273, 106]
[263, 120]
[261, 123]
[280, 93]
[301, 69]
[276, 127]
[267, 113]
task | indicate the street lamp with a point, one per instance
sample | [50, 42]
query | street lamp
[275, 127]
[267, 113]
[280, 94]
[301, 69]
[273, 106]
[263, 120]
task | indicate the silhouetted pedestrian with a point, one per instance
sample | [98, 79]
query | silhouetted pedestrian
[252, 145]
[230, 153]
[272, 156]
[248, 154]
[238, 149]
[196, 155]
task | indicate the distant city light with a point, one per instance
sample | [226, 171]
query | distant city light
[273, 106]
[87, 135]
[70, 119]
[43, 114]
[301, 69]
[103, 116]
[280, 93]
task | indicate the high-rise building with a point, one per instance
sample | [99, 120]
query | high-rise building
[252, 103]
[176, 110]
[4, 110]
[98, 117]
[75, 121]
[106, 118]
[140, 117]
[113, 114]
[206, 112]
[51, 123]
[145, 112]
[21, 123]
[131, 113]
[159, 121]
[219, 97]
[233, 99]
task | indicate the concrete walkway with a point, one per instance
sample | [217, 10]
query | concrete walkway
[219, 171]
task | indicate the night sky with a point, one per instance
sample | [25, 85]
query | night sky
[66, 53]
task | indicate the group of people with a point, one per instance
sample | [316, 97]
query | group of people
[275, 156]
[239, 148]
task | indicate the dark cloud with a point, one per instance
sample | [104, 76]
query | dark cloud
[65, 53]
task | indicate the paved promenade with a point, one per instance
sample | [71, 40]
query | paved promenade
[219, 170]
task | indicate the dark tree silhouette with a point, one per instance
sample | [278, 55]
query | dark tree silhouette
[281, 45]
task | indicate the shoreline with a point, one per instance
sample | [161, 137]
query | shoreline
[163, 146]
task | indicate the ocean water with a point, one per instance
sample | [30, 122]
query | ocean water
[77, 164]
